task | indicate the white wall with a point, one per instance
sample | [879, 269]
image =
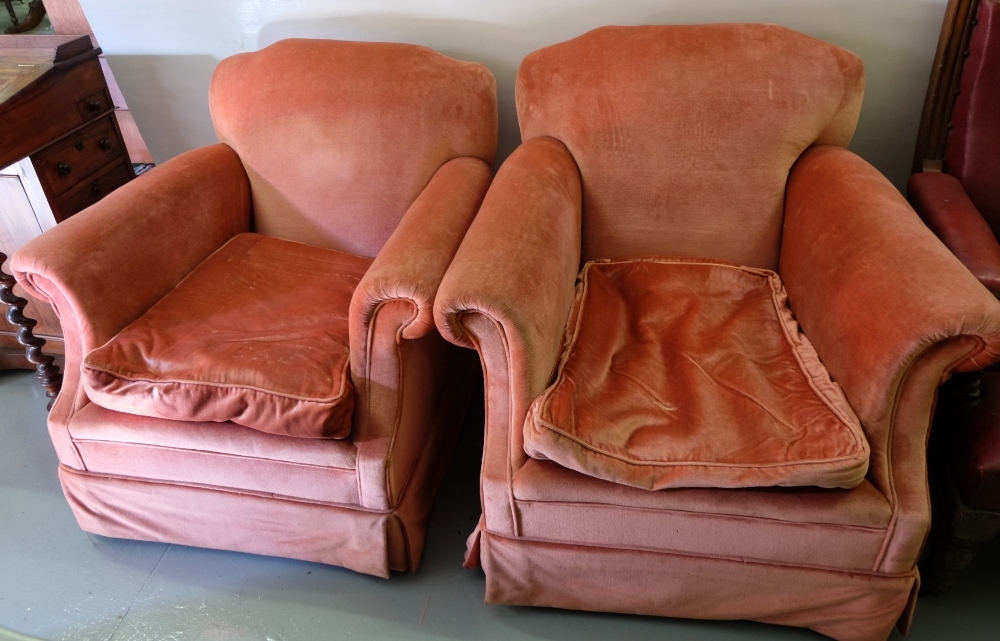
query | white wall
[163, 51]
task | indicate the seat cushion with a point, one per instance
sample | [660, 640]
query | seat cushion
[216, 455]
[257, 335]
[693, 373]
[818, 527]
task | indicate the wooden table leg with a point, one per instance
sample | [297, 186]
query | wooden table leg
[10, 10]
[48, 373]
[36, 11]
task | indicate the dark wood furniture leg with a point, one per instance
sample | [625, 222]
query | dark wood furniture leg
[954, 543]
[957, 530]
[10, 10]
[36, 11]
[48, 372]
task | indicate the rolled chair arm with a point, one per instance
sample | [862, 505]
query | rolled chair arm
[941, 201]
[508, 294]
[411, 264]
[104, 267]
[399, 363]
[891, 313]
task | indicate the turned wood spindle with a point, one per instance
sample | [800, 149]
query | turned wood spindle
[48, 373]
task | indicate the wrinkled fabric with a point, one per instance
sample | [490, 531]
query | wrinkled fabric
[256, 335]
[379, 149]
[692, 373]
[888, 310]
[684, 135]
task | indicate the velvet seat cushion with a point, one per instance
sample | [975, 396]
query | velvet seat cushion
[257, 335]
[693, 373]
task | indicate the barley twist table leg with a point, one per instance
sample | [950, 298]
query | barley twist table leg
[48, 373]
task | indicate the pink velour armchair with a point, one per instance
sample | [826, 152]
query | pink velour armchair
[300, 254]
[722, 145]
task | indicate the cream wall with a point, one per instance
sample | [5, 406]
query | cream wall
[163, 51]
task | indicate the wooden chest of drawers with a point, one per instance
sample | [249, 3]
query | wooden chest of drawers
[81, 168]
[55, 108]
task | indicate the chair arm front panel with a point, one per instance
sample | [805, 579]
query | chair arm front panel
[413, 261]
[942, 203]
[395, 404]
[886, 306]
[399, 362]
[508, 294]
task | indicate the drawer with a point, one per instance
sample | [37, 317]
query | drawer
[56, 104]
[94, 104]
[91, 190]
[66, 163]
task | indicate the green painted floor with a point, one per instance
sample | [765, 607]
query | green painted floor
[58, 583]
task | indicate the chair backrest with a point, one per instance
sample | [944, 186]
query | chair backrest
[973, 151]
[339, 138]
[685, 135]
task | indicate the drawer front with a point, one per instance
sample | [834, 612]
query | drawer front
[91, 190]
[94, 104]
[52, 109]
[71, 160]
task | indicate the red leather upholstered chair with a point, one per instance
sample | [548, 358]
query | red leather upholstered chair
[725, 143]
[961, 204]
[301, 257]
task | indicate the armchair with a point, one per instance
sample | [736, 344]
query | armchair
[957, 194]
[721, 142]
[372, 157]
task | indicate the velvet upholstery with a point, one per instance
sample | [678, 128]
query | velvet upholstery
[846, 246]
[693, 373]
[363, 501]
[971, 153]
[946, 209]
[256, 335]
[311, 132]
[682, 152]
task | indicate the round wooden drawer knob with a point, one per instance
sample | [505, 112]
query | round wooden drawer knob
[105, 144]
[63, 169]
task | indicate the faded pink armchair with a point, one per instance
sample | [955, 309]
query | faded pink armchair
[303, 250]
[723, 145]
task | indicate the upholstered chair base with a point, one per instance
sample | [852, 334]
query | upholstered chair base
[365, 540]
[848, 606]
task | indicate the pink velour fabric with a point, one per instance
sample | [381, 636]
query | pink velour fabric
[215, 455]
[848, 606]
[338, 138]
[382, 150]
[657, 141]
[684, 372]
[257, 335]
[683, 151]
